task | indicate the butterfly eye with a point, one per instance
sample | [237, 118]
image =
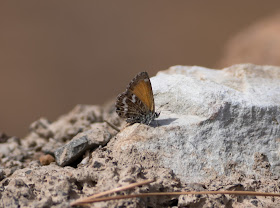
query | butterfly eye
[157, 114]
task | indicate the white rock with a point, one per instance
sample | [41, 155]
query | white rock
[212, 122]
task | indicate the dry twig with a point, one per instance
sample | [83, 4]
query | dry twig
[93, 199]
[112, 126]
[90, 198]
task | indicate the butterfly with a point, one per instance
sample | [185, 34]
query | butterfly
[137, 104]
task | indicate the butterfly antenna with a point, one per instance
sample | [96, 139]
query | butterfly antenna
[161, 107]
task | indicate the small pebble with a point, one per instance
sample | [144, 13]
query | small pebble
[46, 159]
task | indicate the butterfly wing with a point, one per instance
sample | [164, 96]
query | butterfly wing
[129, 105]
[136, 104]
[142, 88]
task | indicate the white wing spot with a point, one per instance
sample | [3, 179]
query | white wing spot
[133, 98]
[146, 80]
[125, 104]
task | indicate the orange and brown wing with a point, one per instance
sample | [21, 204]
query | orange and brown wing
[129, 106]
[142, 88]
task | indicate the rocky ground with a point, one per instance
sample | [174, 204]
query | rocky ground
[79, 154]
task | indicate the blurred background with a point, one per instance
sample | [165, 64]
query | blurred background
[56, 54]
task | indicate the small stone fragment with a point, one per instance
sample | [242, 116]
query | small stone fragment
[96, 136]
[41, 127]
[80, 118]
[71, 151]
[3, 137]
[46, 159]
[2, 174]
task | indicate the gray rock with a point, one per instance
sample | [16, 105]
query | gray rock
[70, 152]
[212, 123]
[77, 120]
[41, 128]
[2, 174]
[47, 136]
[42, 187]
[11, 145]
[3, 137]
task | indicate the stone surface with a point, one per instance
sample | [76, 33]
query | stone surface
[212, 123]
[98, 135]
[81, 117]
[41, 127]
[218, 130]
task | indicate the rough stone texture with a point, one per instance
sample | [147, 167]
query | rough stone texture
[258, 44]
[98, 135]
[75, 121]
[218, 130]
[212, 122]
[41, 127]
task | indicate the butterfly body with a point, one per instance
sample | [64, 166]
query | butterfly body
[136, 104]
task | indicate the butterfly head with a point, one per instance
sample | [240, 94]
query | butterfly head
[157, 114]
